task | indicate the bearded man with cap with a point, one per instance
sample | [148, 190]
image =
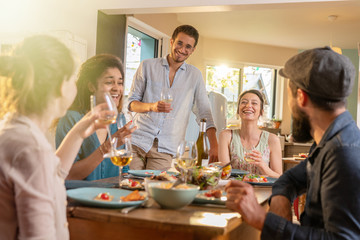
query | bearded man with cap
[320, 82]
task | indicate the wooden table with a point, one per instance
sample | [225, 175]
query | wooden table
[191, 222]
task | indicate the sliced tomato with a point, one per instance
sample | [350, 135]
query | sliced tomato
[208, 194]
[134, 183]
[105, 196]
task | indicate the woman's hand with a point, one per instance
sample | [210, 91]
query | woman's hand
[124, 132]
[259, 162]
[88, 125]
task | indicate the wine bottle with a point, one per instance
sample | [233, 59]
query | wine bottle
[202, 144]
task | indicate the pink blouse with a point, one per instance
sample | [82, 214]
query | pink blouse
[32, 191]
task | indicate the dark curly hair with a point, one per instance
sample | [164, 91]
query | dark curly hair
[90, 72]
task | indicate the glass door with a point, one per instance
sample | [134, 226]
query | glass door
[139, 47]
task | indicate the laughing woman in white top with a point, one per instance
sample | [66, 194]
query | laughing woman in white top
[261, 146]
[36, 86]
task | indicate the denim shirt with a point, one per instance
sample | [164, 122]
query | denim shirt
[106, 168]
[189, 94]
[331, 178]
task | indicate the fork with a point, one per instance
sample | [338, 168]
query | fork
[146, 203]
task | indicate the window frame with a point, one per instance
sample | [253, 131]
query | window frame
[163, 39]
[277, 88]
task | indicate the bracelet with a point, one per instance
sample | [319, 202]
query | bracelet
[101, 150]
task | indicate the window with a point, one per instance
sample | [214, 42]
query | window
[262, 79]
[232, 81]
[139, 47]
[142, 42]
[224, 80]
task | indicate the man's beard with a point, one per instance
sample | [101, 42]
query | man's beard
[301, 127]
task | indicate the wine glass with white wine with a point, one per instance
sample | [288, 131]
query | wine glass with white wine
[186, 157]
[248, 159]
[107, 113]
[121, 157]
[167, 97]
[124, 118]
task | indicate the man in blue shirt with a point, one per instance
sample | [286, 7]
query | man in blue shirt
[320, 82]
[161, 126]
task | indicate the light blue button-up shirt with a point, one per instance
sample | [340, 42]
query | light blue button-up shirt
[189, 94]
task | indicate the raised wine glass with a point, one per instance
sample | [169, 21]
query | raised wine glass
[186, 157]
[121, 157]
[124, 118]
[108, 112]
[167, 97]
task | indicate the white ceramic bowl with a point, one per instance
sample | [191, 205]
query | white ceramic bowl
[149, 181]
[173, 198]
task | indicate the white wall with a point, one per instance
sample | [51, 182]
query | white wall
[23, 17]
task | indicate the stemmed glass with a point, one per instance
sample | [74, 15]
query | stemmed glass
[108, 113]
[186, 157]
[248, 159]
[167, 97]
[128, 117]
[121, 157]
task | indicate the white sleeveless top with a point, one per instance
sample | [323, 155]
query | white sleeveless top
[237, 151]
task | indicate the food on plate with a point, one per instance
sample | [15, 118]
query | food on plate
[149, 173]
[131, 183]
[163, 176]
[253, 178]
[104, 197]
[303, 155]
[168, 185]
[216, 193]
[226, 171]
[133, 196]
[205, 177]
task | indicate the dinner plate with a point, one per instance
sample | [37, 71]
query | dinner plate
[71, 184]
[202, 199]
[270, 182]
[132, 189]
[237, 172]
[149, 173]
[86, 196]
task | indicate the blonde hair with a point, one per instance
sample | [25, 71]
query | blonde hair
[32, 74]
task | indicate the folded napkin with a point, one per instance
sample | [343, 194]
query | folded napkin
[72, 184]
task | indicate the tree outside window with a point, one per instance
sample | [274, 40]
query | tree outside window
[227, 81]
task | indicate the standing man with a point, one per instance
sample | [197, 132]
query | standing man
[320, 82]
[161, 126]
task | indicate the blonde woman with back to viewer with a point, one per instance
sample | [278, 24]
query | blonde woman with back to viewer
[260, 147]
[36, 86]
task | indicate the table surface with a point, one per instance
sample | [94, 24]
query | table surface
[198, 221]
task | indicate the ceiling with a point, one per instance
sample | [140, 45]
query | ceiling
[300, 25]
